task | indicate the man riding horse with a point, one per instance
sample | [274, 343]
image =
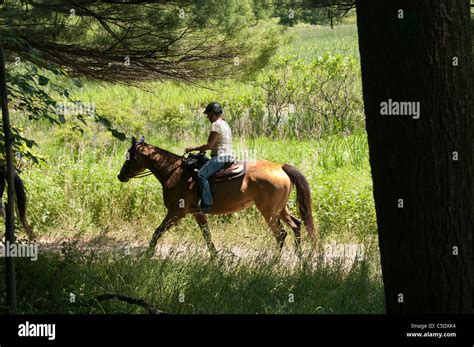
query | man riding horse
[220, 144]
[261, 183]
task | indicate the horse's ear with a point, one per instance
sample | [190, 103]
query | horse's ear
[134, 141]
[142, 140]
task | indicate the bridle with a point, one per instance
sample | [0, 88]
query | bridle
[140, 175]
[148, 173]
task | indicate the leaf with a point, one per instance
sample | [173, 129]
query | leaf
[81, 118]
[29, 143]
[104, 121]
[78, 128]
[42, 80]
[119, 135]
[61, 118]
[77, 83]
[26, 88]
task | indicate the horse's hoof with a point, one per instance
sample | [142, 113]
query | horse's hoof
[227, 253]
[213, 254]
[148, 253]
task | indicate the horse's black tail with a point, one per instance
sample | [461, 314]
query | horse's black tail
[20, 195]
[303, 195]
[21, 203]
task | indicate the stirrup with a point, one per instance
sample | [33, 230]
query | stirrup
[200, 208]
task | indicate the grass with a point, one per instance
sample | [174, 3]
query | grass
[311, 40]
[195, 284]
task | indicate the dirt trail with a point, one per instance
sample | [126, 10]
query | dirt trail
[186, 250]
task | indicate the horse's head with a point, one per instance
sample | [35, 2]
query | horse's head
[134, 162]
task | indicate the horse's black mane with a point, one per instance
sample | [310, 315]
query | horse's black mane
[164, 152]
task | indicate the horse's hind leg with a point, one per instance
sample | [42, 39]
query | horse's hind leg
[280, 233]
[272, 217]
[270, 208]
[295, 225]
[202, 222]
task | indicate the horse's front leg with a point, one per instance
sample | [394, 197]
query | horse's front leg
[202, 222]
[167, 223]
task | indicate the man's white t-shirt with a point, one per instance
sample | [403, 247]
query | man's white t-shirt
[223, 145]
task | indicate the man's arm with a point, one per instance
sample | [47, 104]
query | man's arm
[210, 143]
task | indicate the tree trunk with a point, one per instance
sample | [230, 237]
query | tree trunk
[426, 241]
[10, 281]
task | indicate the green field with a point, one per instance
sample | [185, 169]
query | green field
[75, 198]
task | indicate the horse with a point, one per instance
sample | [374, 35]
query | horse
[265, 184]
[20, 198]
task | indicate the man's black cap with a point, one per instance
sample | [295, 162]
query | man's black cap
[214, 107]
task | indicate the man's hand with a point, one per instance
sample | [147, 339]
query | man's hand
[206, 146]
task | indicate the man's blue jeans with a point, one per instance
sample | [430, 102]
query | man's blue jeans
[210, 168]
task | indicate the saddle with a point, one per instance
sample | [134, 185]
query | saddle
[230, 171]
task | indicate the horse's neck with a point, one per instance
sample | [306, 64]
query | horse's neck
[164, 165]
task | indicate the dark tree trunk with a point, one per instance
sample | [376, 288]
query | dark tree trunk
[426, 246]
[10, 282]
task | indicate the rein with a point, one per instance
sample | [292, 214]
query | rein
[145, 174]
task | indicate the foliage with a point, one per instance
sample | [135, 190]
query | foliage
[38, 95]
[91, 40]
[132, 41]
[321, 88]
[290, 12]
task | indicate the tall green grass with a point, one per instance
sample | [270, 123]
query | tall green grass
[195, 284]
[310, 41]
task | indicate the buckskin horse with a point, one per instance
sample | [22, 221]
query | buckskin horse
[263, 183]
